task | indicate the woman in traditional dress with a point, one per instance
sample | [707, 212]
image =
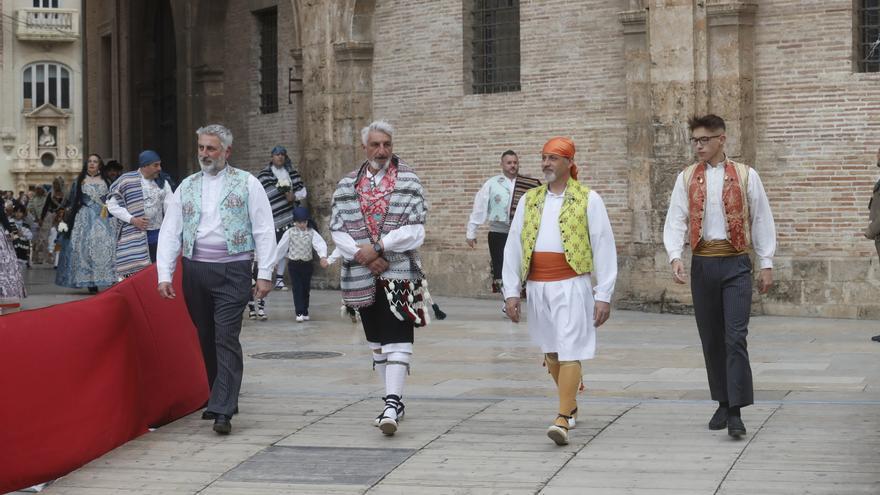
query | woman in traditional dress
[88, 257]
[11, 283]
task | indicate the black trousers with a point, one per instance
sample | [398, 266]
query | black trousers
[722, 292]
[496, 253]
[380, 324]
[301, 281]
[216, 294]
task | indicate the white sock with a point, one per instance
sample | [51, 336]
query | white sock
[379, 360]
[396, 371]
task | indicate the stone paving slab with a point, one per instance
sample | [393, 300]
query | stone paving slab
[479, 402]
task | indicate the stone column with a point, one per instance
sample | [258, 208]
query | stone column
[683, 58]
[337, 97]
[731, 71]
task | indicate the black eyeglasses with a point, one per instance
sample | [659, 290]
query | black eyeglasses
[703, 140]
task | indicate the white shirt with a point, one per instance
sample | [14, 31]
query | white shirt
[714, 222]
[550, 240]
[481, 208]
[284, 244]
[211, 230]
[152, 197]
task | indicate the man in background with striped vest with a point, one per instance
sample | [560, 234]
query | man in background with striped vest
[139, 200]
[559, 236]
[496, 203]
[722, 205]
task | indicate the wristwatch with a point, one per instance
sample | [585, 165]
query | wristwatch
[378, 247]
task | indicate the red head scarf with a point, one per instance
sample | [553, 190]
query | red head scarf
[561, 146]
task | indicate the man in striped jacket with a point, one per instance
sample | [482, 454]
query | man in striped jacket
[377, 223]
[139, 200]
[286, 191]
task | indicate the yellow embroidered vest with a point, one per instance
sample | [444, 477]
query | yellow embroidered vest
[573, 227]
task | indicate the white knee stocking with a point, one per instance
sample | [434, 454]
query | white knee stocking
[380, 361]
[397, 368]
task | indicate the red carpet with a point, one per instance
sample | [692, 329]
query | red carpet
[79, 379]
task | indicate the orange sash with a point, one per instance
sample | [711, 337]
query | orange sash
[550, 267]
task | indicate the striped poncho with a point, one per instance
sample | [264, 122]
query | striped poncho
[132, 252]
[282, 210]
[407, 206]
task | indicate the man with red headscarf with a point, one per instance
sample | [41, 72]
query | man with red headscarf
[559, 236]
[722, 204]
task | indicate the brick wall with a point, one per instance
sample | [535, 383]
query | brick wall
[571, 85]
[256, 133]
[818, 128]
[817, 133]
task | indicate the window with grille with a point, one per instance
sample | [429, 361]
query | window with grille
[868, 35]
[495, 46]
[268, 27]
[46, 4]
[46, 82]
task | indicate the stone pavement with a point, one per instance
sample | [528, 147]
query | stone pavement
[478, 403]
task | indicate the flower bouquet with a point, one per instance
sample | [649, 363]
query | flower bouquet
[283, 186]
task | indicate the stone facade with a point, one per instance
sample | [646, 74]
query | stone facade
[48, 37]
[619, 77]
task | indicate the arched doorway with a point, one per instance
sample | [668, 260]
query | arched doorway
[154, 89]
[164, 89]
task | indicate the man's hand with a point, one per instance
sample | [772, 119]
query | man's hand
[140, 223]
[378, 266]
[765, 280]
[366, 254]
[324, 263]
[289, 196]
[601, 312]
[472, 243]
[678, 273]
[166, 290]
[262, 288]
[512, 308]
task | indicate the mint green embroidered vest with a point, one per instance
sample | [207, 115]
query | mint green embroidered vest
[233, 211]
[573, 226]
[499, 199]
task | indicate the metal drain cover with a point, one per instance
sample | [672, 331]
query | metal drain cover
[296, 355]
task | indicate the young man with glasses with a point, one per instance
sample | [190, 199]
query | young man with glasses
[722, 205]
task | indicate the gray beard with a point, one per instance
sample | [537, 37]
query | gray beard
[549, 177]
[377, 166]
[210, 166]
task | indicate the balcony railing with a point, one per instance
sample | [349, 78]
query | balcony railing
[59, 25]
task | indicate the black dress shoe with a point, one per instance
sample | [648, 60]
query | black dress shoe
[719, 419]
[222, 425]
[735, 427]
[212, 415]
[876, 338]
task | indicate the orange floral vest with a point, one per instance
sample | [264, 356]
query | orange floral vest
[733, 196]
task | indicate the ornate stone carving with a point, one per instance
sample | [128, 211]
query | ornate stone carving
[24, 150]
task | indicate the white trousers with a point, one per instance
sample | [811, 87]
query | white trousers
[561, 317]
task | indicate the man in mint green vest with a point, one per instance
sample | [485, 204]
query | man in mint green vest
[496, 203]
[221, 219]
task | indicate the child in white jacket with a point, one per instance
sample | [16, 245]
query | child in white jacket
[297, 245]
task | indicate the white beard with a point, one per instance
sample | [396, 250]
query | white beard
[549, 177]
[212, 167]
[378, 166]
